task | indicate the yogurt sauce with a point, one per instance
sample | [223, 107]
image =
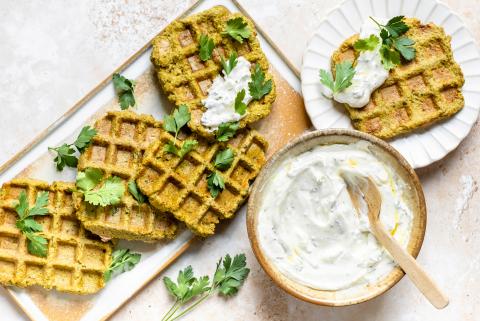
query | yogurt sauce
[309, 229]
[220, 102]
[369, 73]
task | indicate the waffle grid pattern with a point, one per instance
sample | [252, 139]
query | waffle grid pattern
[180, 186]
[416, 94]
[117, 149]
[76, 259]
[185, 78]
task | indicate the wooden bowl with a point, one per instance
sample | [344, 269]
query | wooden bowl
[415, 199]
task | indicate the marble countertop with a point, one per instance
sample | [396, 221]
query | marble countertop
[53, 52]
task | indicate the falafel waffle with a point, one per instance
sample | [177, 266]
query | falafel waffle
[76, 259]
[415, 94]
[186, 79]
[179, 185]
[117, 149]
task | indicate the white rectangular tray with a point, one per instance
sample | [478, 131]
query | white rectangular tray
[35, 161]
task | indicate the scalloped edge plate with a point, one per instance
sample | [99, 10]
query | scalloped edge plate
[422, 147]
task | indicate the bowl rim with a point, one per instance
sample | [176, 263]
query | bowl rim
[397, 273]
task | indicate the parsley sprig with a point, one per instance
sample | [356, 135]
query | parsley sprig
[226, 131]
[240, 106]
[215, 181]
[190, 291]
[124, 88]
[133, 189]
[122, 261]
[108, 193]
[173, 123]
[36, 244]
[344, 73]
[238, 29]
[230, 63]
[258, 87]
[394, 44]
[66, 152]
[206, 47]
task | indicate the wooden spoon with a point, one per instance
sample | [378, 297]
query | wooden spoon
[367, 190]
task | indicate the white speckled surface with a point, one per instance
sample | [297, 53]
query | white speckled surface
[53, 52]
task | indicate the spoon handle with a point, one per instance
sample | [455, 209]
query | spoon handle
[414, 271]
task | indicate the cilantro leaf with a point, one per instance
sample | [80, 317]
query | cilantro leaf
[237, 29]
[344, 73]
[187, 146]
[124, 88]
[84, 138]
[65, 156]
[215, 183]
[122, 261]
[89, 178]
[133, 189]
[206, 47]
[367, 44]
[240, 107]
[224, 159]
[390, 58]
[393, 45]
[36, 244]
[404, 45]
[230, 63]
[187, 286]
[110, 193]
[258, 87]
[396, 27]
[226, 131]
[180, 117]
[232, 275]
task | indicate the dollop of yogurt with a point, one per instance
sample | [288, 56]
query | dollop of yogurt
[369, 73]
[220, 102]
[309, 229]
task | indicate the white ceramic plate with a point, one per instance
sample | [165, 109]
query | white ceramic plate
[422, 147]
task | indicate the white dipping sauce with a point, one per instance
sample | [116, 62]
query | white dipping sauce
[220, 102]
[309, 229]
[369, 72]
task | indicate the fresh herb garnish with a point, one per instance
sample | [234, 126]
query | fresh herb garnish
[215, 183]
[124, 88]
[187, 146]
[226, 131]
[36, 244]
[258, 86]
[237, 29]
[206, 47]
[240, 107]
[122, 261]
[394, 44]
[224, 159]
[133, 189]
[367, 44]
[66, 152]
[109, 193]
[344, 73]
[230, 63]
[173, 123]
[190, 291]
